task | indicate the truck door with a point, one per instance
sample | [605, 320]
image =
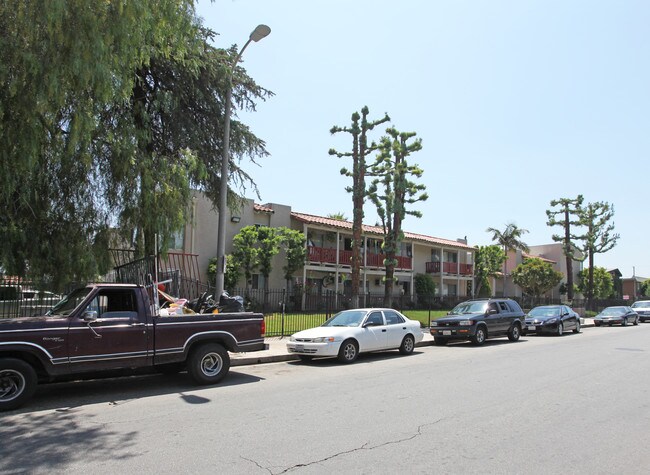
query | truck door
[110, 332]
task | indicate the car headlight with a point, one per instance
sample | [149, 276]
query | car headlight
[325, 339]
[551, 320]
[434, 323]
[465, 323]
[292, 338]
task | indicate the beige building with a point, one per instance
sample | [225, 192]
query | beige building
[449, 262]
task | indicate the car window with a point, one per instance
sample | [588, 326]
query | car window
[375, 318]
[114, 303]
[493, 306]
[393, 318]
[503, 307]
[514, 306]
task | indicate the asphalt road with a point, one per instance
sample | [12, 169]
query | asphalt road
[570, 404]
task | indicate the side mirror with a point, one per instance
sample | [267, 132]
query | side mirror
[492, 311]
[370, 324]
[89, 316]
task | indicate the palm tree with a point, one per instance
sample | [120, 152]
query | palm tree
[510, 240]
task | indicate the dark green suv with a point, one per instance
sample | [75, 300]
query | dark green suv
[478, 320]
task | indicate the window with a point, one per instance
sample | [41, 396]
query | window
[375, 318]
[257, 282]
[114, 303]
[177, 240]
[504, 307]
[393, 318]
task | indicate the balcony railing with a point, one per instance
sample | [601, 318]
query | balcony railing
[322, 255]
[449, 268]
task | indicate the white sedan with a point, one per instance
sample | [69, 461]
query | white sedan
[351, 332]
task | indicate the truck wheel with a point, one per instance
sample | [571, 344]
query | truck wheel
[17, 383]
[514, 333]
[208, 364]
[479, 337]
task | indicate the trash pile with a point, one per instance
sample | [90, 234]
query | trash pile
[171, 306]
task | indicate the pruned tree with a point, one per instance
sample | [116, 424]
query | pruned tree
[509, 239]
[360, 149]
[599, 237]
[567, 215]
[536, 276]
[391, 191]
[244, 252]
[488, 261]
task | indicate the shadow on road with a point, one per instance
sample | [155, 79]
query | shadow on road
[116, 391]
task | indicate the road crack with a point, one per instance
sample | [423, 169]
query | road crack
[365, 446]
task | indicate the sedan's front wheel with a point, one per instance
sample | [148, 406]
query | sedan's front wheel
[560, 329]
[408, 345]
[636, 321]
[349, 351]
[577, 328]
[624, 322]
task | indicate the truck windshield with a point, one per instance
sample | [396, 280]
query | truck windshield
[469, 307]
[69, 302]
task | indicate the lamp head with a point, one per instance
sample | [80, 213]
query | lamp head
[261, 31]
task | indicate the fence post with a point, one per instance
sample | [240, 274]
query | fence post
[284, 295]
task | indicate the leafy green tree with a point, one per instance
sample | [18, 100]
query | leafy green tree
[602, 283]
[567, 216]
[645, 288]
[536, 277]
[360, 149]
[599, 238]
[425, 288]
[268, 243]
[509, 239]
[232, 274]
[245, 252]
[488, 261]
[109, 113]
[391, 191]
[293, 243]
[340, 216]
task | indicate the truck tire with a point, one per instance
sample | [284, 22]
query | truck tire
[208, 364]
[17, 383]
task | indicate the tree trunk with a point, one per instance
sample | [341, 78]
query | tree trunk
[569, 258]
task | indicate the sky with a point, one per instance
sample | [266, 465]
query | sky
[517, 103]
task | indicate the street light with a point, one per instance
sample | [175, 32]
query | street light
[258, 33]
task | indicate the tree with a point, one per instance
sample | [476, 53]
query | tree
[391, 173]
[244, 253]
[488, 261]
[602, 283]
[293, 243]
[232, 274]
[569, 215]
[268, 244]
[645, 288]
[109, 113]
[340, 216]
[425, 288]
[599, 238]
[509, 239]
[536, 277]
[360, 149]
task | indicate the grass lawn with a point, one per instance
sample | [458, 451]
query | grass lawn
[294, 322]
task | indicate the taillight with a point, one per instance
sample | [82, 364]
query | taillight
[263, 329]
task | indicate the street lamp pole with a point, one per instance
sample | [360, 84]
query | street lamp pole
[258, 33]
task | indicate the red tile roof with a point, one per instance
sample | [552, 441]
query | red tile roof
[347, 225]
[262, 208]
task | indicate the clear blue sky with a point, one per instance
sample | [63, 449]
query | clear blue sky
[517, 102]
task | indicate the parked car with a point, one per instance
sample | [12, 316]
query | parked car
[619, 315]
[351, 332]
[552, 319]
[477, 320]
[642, 308]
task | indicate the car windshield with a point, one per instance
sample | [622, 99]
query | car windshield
[469, 307]
[346, 318]
[641, 304]
[544, 312]
[69, 302]
[613, 311]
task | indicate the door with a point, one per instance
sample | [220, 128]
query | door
[494, 319]
[568, 318]
[110, 332]
[373, 333]
[395, 329]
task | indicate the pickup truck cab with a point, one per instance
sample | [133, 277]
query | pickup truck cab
[108, 327]
[477, 320]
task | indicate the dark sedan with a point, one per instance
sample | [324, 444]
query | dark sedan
[553, 319]
[616, 315]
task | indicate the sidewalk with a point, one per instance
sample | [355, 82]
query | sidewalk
[278, 349]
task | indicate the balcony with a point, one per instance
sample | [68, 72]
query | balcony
[453, 268]
[322, 255]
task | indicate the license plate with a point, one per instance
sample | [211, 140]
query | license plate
[446, 332]
[299, 347]
[531, 327]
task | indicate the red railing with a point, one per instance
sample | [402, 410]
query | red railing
[324, 255]
[449, 268]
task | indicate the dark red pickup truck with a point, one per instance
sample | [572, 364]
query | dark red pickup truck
[107, 327]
